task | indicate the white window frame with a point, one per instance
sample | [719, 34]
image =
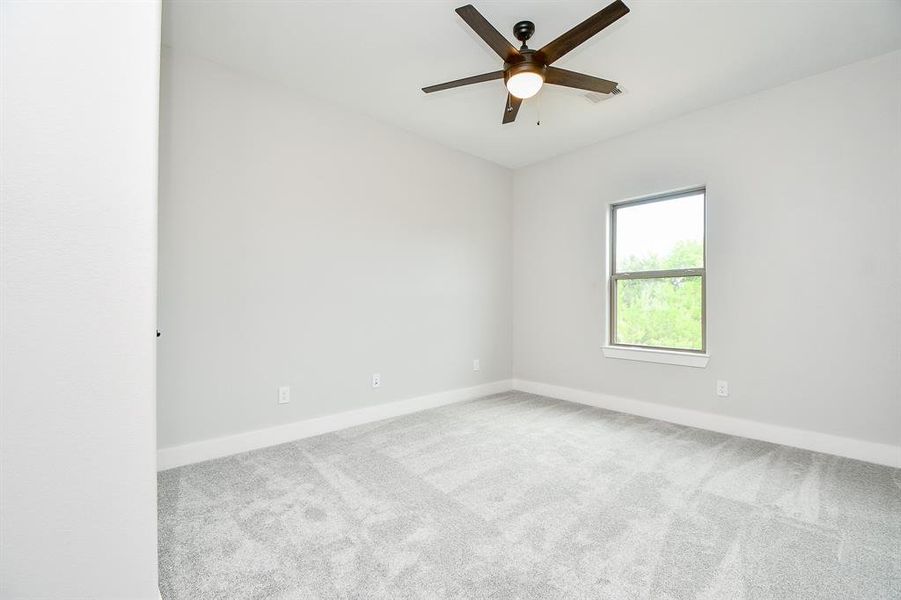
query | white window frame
[673, 356]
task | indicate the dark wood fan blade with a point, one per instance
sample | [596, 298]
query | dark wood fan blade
[579, 81]
[464, 81]
[487, 32]
[584, 30]
[511, 108]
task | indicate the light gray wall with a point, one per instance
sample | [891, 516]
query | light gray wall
[304, 245]
[804, 255]
[77, 357]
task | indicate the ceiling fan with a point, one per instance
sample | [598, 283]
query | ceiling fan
[526, 70]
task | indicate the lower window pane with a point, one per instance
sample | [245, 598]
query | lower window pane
[664, 312]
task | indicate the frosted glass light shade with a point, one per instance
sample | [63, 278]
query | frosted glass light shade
[525, 85]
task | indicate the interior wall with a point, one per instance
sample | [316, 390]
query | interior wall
[303, 245]
[78, 245]
[804, 256]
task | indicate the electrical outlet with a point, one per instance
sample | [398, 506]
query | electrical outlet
[722, 388]
[284, 394]
[376, 380]
[475, 365]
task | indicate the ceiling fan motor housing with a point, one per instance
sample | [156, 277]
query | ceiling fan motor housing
[529, 63]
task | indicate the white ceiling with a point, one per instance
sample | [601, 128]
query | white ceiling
[670, 57]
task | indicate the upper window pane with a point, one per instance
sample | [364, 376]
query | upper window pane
[660, 235]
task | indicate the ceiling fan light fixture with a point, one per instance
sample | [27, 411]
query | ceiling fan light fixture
[525, 84]
[524, 79]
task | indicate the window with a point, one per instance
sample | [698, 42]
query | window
[658, 273]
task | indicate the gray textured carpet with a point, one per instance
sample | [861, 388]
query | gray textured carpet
[519, 496]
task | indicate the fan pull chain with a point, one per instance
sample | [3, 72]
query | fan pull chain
[539, 110]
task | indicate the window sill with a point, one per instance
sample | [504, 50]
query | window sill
[666, 357]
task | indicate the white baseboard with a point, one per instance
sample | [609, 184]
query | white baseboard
[883, 454]
[176, 456]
